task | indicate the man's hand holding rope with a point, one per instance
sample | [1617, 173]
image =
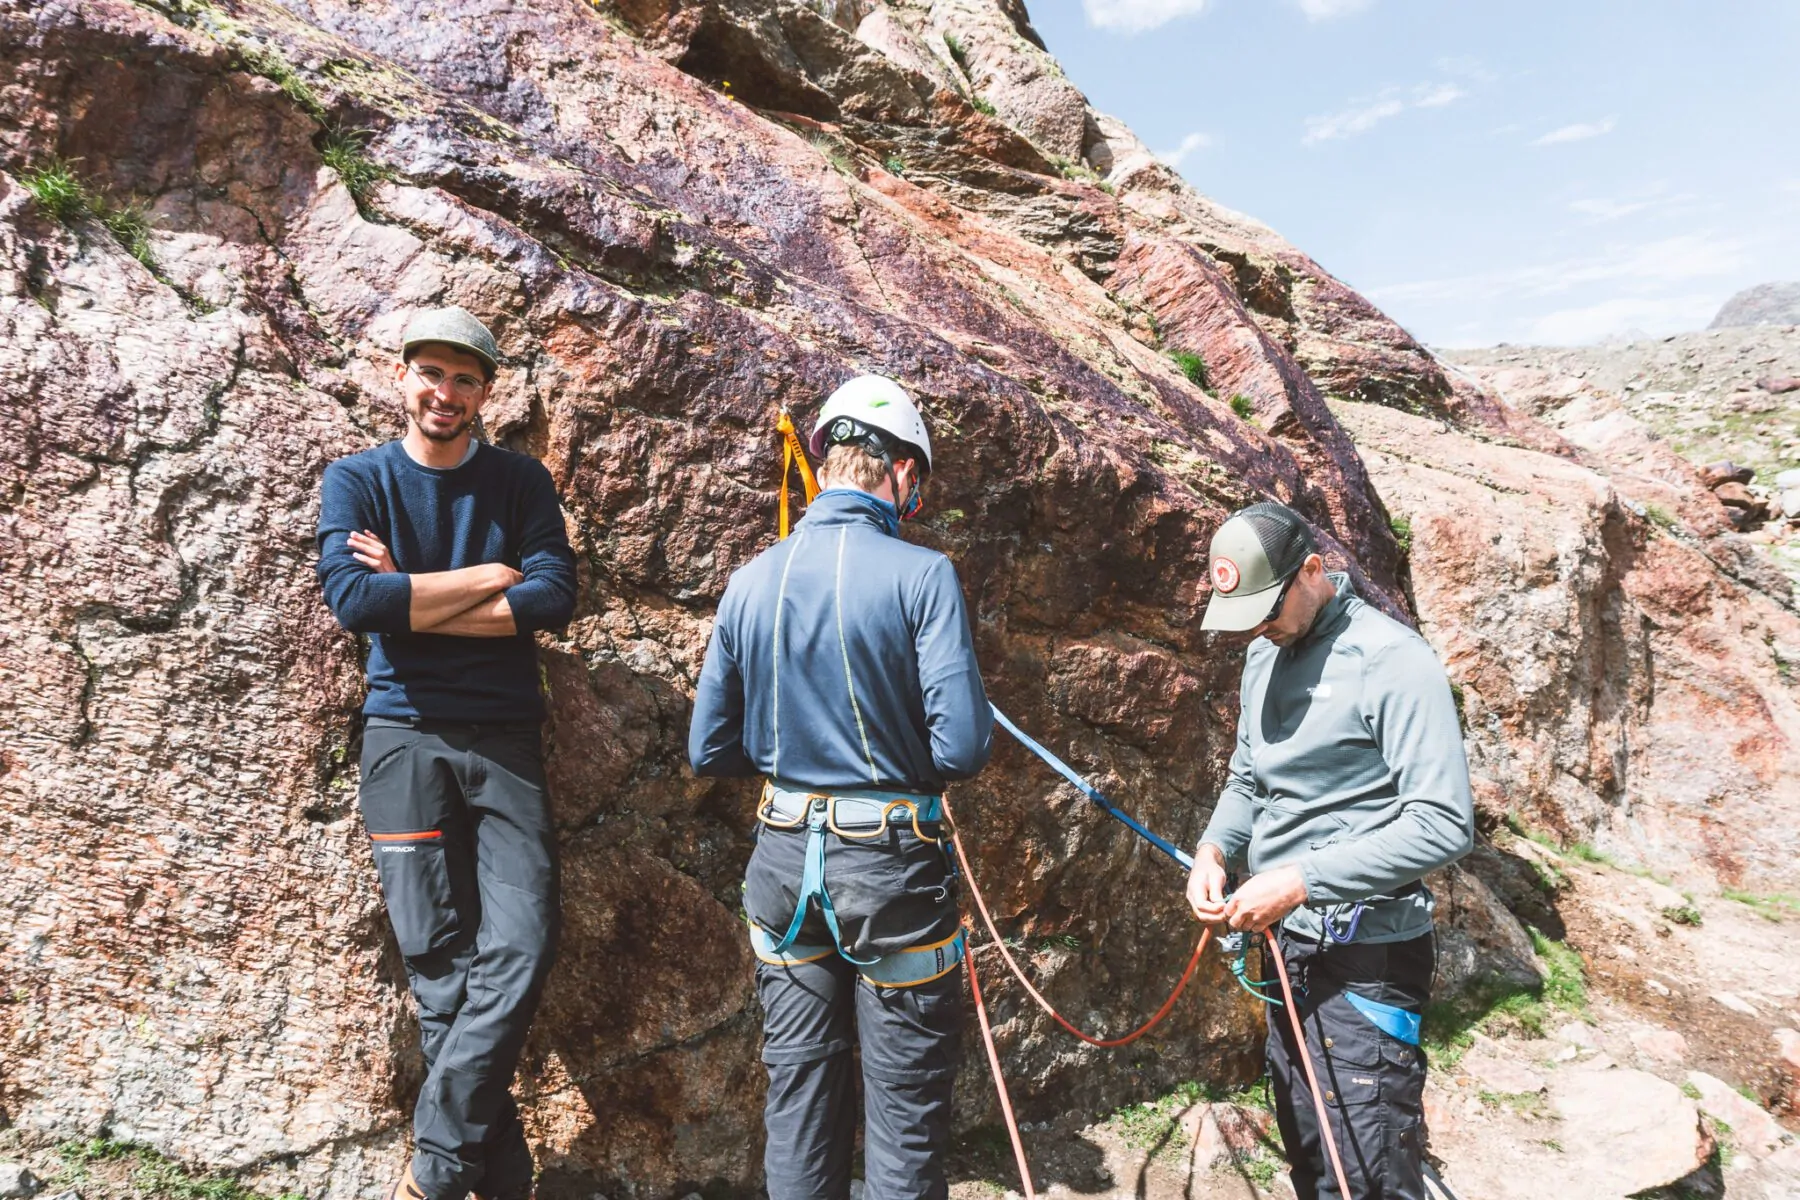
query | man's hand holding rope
[1265, 899]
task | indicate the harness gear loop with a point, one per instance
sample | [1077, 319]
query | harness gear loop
[793, 453]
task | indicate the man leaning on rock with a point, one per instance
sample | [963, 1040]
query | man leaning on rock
[1348, 785]
[449, 553]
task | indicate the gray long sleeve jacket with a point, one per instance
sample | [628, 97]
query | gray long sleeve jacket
[1350, 765]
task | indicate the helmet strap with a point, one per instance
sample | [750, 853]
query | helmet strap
[914, 504]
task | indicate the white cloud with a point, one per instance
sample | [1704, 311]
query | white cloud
[1642, 267]
[1189, 144]
[1656, 199]
[1136, 16]
[1367, 114]
[1324, 10]
[1350, 122]
[1653, 315]
[1577, 133]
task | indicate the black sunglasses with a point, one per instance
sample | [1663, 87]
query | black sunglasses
[1281, 596]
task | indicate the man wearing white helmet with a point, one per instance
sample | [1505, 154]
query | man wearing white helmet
[841, 669]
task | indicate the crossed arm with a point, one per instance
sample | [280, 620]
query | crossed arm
[468, 602]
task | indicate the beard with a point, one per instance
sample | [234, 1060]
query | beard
[431, 424]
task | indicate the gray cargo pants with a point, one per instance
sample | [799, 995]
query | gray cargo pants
[1373, 1083]
[460, 824]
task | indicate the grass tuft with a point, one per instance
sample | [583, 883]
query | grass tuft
[895, 165]
[833, 153]
[1686, 914]
[1401, 528]
[1771, 907]
[131, 226]
[1243, 406]
[273, 65]
[1660, 517]
[346, 151]
[958, 52]
[1191, 365]
[1152, 1124]
[152, 1174]
[58, 190]
[983, 105]
[1496, 1006]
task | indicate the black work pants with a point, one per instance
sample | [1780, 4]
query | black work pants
[1373, 1083]
[890, 893]
[460, 824]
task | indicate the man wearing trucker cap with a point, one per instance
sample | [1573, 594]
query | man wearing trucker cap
[448, 553]
[1347, 786]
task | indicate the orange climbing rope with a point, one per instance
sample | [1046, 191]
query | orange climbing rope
[1019, 974]
[1312, 1080]
[792, 454]
[1006, 1109]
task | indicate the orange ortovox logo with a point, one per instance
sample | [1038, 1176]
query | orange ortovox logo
[427, 835]
[1225, 575]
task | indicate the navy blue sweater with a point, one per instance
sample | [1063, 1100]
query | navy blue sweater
[496, 507]
[873, 682]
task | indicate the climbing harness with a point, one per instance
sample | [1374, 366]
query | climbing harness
[852, 816]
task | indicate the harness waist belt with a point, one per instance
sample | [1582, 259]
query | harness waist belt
[845, 808]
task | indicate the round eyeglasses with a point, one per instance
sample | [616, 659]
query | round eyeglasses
[462, 385]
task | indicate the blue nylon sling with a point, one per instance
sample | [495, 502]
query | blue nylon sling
[1397, 1023]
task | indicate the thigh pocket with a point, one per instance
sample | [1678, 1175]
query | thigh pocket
[1350, 1052]
[415, 879]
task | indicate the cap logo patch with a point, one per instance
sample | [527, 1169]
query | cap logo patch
[1225, 575]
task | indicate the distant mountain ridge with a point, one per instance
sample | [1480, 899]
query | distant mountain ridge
[1764, 304]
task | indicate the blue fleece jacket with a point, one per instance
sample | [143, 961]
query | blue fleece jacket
[496, 506]
[841, 658]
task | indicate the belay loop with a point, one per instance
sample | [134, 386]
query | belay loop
[792, 453]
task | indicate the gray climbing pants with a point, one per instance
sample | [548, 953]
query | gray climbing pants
[1373, 1083]
[889, 893]
[459, 821]
[911, 1048]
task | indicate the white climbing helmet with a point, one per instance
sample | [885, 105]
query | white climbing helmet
[878, 403]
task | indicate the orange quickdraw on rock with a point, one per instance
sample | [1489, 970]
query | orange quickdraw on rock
[792, 453]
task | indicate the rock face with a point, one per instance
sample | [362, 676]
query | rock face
[679, 215]
[1764, 304]
[1601, 654]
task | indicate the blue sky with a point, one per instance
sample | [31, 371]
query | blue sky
[1505, 170]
